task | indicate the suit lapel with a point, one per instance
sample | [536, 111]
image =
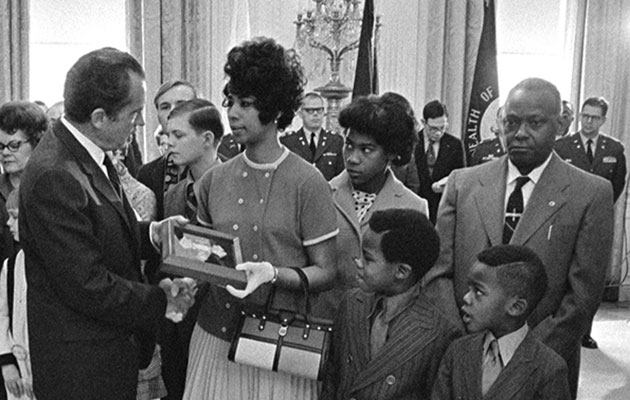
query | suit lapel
[546, 199]
[411, 333]
[490, 201]
[579, 152]
[385, 196]
[322, 144]
[342, 194]
[361, 305]
[516, 373]
[97, 177]
[472, 367]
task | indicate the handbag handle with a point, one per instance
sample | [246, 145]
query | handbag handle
[304, 285]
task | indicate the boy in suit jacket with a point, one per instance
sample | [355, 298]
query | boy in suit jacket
[505, 285]
[389, 338]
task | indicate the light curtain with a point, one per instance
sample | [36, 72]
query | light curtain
[14, 50]
[604, 70]
[427, 48]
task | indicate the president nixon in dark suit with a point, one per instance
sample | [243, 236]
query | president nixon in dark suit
[564, 214]
[313, 143]
[91, 321]
[437, 154]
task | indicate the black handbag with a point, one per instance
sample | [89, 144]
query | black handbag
[283, 341]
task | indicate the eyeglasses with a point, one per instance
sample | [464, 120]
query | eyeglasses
[311, 111]
[13, 145]
[587, 117]
[435, 129]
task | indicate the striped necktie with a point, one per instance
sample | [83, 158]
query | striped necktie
[190, 211]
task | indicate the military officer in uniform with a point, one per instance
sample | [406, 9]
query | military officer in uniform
[321, 148]
[490, 149]
[594, 152]
[229, 148]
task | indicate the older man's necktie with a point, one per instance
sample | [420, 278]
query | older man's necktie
[514, 209]
[113, 176]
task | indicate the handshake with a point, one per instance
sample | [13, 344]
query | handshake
[180, 296]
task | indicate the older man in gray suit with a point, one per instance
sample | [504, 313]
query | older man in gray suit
[531, 197]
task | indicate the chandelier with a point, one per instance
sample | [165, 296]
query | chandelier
[333, 27]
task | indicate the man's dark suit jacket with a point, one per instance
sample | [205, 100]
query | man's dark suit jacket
[328, 157]
[609, 160]
[91, 321]
[151, 175]
[450, 157]
[406, 366]
[534, 372]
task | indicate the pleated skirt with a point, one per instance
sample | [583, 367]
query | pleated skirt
[212, 376]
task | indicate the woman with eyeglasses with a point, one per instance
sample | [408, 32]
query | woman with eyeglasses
[22, 124]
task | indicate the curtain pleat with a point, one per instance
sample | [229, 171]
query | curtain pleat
[14, 50]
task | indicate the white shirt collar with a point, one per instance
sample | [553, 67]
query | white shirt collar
[93, 150]
[510, 342]
[308, 134]
[534, 174]
[585, 139]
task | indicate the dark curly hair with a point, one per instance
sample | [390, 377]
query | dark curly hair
[408, 237]
[99, 79]
[25, 116]
[274, 76]
[386, 121]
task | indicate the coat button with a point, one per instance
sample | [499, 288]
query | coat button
[224, 329]
[390, 380]
[235, 227]
[267, 174]
[227, 306]
[255, 228]
[241, 201]
[255, 257]
[245, 174]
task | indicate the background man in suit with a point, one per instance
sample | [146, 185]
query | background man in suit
[437, 154]
[91, 321]
[160, 173]
[594, 152]
[562, 213]
[313, 143]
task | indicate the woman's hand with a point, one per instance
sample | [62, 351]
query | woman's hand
[12, 380]
[257, 274]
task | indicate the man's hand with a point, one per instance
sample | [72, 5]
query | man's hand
[257, 273]
[180, 296]
[158, 227]
[12, 380]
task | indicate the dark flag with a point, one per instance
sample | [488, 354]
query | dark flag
[365, 78]
[484, 97]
